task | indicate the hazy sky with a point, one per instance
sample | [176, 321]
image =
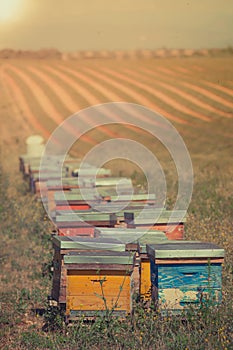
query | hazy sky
[122, 24]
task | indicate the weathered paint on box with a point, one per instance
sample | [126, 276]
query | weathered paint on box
[185, 273]
[90, 293]
[176, 286]
[101, 286]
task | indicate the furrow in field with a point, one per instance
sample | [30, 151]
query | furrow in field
[182, 70]
[48, 108]
[23, 104]
[168, 72]
[205, 83]
[201, 90]
[208, 94]
[198, 68]
[59, 91]
[180, 92]
[13, 115]
[91, 98]
[39, 94]
[81, 90]
[137, 97]
[105, 91]
[214, 86]
[220, 88]
[164, 98]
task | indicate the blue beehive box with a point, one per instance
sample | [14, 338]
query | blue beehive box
[185, 273]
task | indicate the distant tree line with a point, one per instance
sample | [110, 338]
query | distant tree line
[117, 54]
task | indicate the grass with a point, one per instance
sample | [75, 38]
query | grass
[27, 281]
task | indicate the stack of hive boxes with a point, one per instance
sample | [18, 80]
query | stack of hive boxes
[92, 275]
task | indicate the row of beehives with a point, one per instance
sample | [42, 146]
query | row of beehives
[102, 259]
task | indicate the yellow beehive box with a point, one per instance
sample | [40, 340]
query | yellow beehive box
[98, 282]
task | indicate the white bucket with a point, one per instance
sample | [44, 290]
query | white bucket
[35, 145]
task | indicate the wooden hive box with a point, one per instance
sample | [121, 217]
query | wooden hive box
[97, 282]
[185, 273]
[174, 229]
[63, 245]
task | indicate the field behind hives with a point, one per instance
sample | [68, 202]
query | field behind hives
[196, 95]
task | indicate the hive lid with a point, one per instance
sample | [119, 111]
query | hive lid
[151, 237]
[155, 214]
[67, 181]
[136, 197]
[66, 197]
[101, 258]
[88, 243]
[113, 181]
[184, 249]
[83, 216]
[91, 170]
[126, 235]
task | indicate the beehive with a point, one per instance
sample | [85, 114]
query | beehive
[173, 228]
[185, 273]
[97, 282]
[63, 245]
